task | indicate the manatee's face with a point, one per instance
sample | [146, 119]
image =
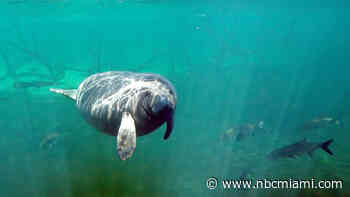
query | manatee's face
[159, 107]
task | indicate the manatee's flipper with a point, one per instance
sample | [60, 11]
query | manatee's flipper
[126, 139]
[72, 93]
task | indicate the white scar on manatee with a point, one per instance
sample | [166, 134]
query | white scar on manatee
[128, 96]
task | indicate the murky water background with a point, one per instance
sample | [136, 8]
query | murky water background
[232, 62]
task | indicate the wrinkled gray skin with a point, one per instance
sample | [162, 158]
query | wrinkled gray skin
[150, 107]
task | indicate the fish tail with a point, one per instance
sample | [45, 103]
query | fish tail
[325, 145]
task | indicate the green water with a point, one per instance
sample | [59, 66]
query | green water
[231, 62]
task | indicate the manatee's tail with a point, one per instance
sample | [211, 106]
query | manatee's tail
[72, 93]
[325, 145]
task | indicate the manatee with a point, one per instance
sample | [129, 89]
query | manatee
[126, 105]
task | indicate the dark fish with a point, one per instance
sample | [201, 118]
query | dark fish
[49, 141]
[228, 135]
[16, 2]
[36, 84]
[247, 130]
[299, 148]
[319, 123]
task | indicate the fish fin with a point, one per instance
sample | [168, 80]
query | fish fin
[72, 93]
[126, 139]
[325, 145]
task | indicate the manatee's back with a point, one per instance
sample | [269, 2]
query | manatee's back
[96, 102]
[100, 85]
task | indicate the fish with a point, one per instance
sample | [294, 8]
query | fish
[228, 135]
[300, 148]
[247, 130]
[319, 123]
[49, 141]
[36, 84]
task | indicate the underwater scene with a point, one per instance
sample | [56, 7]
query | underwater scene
[126, 98]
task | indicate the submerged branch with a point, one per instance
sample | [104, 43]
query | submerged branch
[37, 57]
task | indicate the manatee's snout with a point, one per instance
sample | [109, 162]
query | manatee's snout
[164, 108]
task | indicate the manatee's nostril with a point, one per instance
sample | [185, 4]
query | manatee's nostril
[161, 105]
